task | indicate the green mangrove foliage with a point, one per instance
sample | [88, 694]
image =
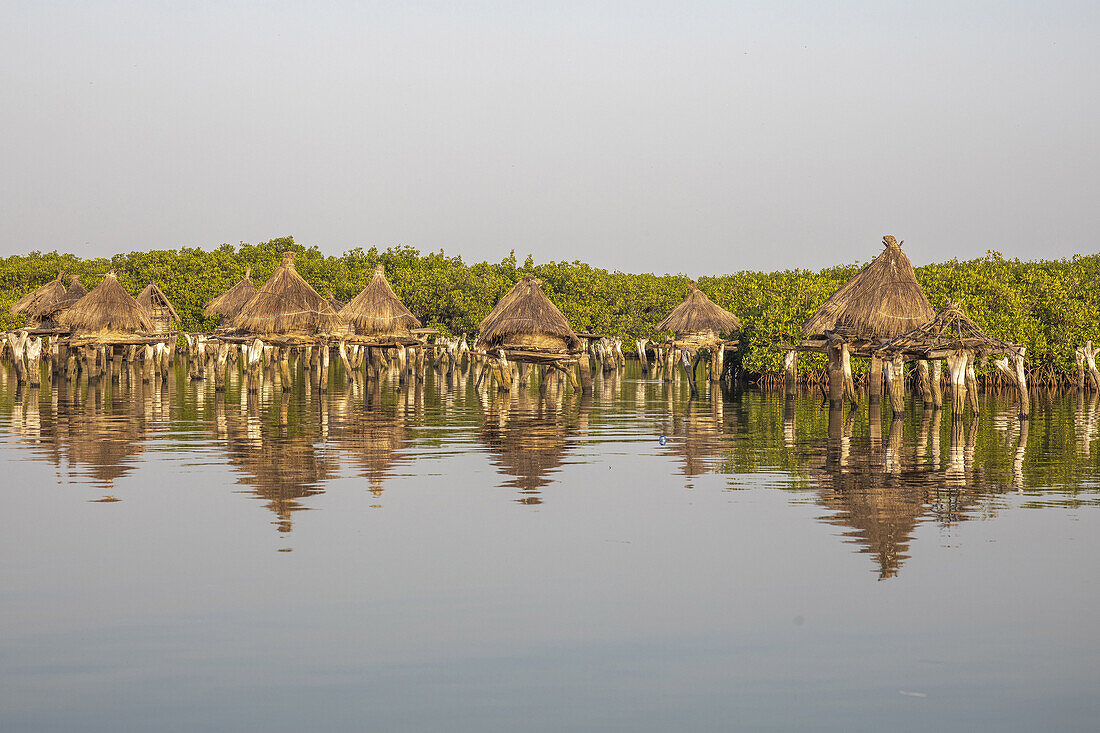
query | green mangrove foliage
[1048, 306]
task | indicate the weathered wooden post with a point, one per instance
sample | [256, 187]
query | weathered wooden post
[640, 345]
[956, 369]
[1079, 357]
[937, 384]
[925, 383]
[221, 366]
[34, 366]
[846, 370]
[790, 373]
[1090, 360]
[342, 349]
[255, 359]
[1021, 384]
[323, 378]
[286, 383]
[147, 363]
[584, 371]
[874, 381]
[401, 361]
[835, 372]
[972, 385]
[670, 356]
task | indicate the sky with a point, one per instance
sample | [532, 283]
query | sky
[693, 137]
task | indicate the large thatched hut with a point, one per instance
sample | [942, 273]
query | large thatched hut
[698, 319]
[286, 305]
[39, 301]
[881, 301]
[227, 305]
[377, 311]
[161, 312]
[107, 314]
[525, 319]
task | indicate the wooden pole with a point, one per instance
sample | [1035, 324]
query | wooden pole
[1079, 357]
[956, 368]
[640, 345]
[790, 373]
[836, 374]
[33, 356]
[670, 356]
[322, 384]
[1021, 384]
[937, 385]
[925, 383]
[221, 366]
[1090, 360]
[972, 385]
[874, 381]
[846, 369]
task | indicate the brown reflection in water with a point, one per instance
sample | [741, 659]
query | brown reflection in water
[700, 432]
[372, 434]
[528, 435]
[880, 490]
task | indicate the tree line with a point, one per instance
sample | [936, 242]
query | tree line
[1049, 306]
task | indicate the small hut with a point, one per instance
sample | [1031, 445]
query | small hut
[286, 305]
[377, 311]
[334, 301]
[107, 314]
[227, 305]
[526, 327]
[39, 301]
[160, 310]
[699, 323]
[882, 301]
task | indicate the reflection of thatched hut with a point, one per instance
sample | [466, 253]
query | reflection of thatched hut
[374, 440]
[227, 305]
[377, 311]
[526, 318]
[39, 301]
[160, 310]
[698, 319]
[286, 305]
[883, 300]
[107, 312]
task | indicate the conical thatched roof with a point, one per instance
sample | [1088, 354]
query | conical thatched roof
[39, 298]
[227, 305]
[950, 329]
[525, 311]
[698, 314]
[108, 308]
[286, 304]
[152, 297]
[883, 300]
[378, 310]
[334, 301]
[75, 292]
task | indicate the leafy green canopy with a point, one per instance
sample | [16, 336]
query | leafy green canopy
[1049, 306]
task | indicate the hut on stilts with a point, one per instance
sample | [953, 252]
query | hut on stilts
[698, 325]
[525, 327]
[376, 321]
[286, 313]
[108, 326]
[882, 301]
[161, 312]
[953, 337]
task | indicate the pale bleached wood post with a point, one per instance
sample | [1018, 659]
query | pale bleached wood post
[835, 373]
[925, 383]
[972, 385]
[640, 345]
[846, 369]
[34, 366]
[1021, 384]
[956, 368]
[322, 379]
[874, 381]
[342, 350]
[149, 355]
[1090, 360]
[221, 366]
[1079, 357]
[937, 384]
[790, 373]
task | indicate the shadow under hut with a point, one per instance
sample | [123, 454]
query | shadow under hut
[376, 322]
[525, 327]
[882, 301]
[699, 326]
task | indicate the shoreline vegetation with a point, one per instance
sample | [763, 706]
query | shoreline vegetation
[1049, 306]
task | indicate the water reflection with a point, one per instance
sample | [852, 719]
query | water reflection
[878, 479]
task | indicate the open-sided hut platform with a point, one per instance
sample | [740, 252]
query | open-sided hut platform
[698, 324]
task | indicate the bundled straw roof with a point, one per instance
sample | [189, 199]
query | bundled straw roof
[378, 310]
[697, 314]
[35, 301]
[334, 301]
[227, 305]
[75, 292]
[525, 310]
[107, 308]
[883, 300]
[951, 329]
[148, 299]
[286, 304]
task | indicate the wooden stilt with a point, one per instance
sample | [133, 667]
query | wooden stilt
[1021, 385]
[956, 368]
[790, 373]
[322, 382]
[897, 389]
[835, 373]
[972, 385]
[937, 384]
[221, 366]
[925, 382]
[874, 381]
[1079, 357]
[33, 355]
[846, 370]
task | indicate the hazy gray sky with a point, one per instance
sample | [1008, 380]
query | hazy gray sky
[642, 136]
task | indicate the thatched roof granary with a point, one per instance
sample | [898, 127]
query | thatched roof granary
[34, 303]
[377, 311]
[525, 318]
[227, 305]
[334, 301]
[286, 305]
[699, 318]
[160, 310]
[108, 310]
[883, 300]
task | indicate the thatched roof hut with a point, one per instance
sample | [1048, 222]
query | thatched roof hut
[525, 318]
[107, 311]
[227, 305]
[699, 318]
[160, 310]
[883, 300]
[334, 301]
[48, 312]
[286, 304]
[377, 311]
[40, 299]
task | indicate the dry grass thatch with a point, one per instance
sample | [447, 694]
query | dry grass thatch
[39, 299]
[286, 304]
[699, 314]
[107, 309]
[227, 305]
[883, 300]
[525, 311]
[950, 329]
[153, 299]
[75, 292]
[378, 310]
[335, 302]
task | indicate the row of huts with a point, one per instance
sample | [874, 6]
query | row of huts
[881, 314]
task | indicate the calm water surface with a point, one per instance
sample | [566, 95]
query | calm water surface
[441, 558]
